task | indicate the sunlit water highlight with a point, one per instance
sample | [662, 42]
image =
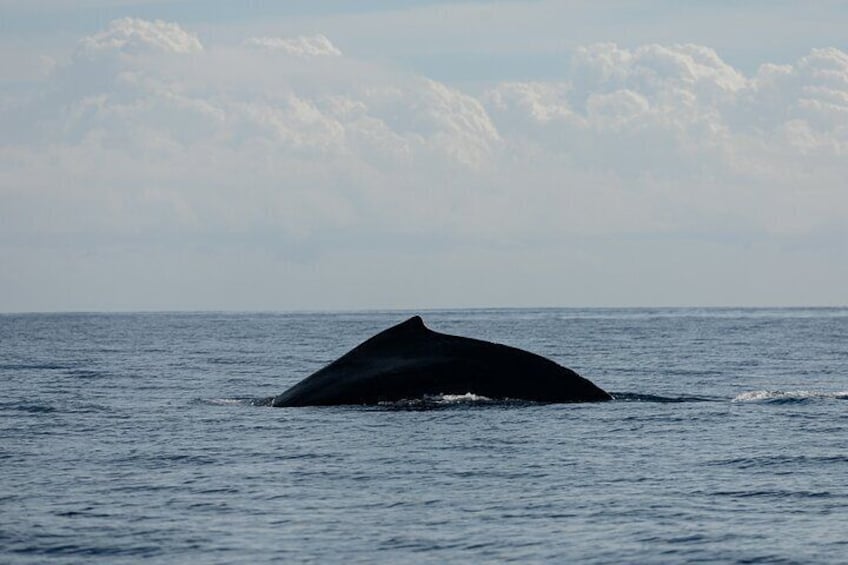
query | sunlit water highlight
[140, 436]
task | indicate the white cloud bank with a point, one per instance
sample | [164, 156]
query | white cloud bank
[286, 150]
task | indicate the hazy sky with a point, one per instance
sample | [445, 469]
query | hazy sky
[232, 155]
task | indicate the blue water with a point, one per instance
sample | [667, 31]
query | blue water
[134, 436]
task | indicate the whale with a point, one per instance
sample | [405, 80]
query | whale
[409, 361]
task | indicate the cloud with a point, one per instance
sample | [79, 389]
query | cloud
[157, 140]
[131, 35]
[148, 134]
[304, 46]
[670, 109]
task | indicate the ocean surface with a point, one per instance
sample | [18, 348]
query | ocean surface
[136, 437]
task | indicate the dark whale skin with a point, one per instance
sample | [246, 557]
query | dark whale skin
[409, 361]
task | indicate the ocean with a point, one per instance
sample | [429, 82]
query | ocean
[137, 437]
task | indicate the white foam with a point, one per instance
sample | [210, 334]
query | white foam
[459, 398]
[441, 400]
[772, 395]
[226, 401]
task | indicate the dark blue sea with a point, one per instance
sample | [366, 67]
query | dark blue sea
[135, 437]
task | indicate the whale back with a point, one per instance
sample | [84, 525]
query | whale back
[410, 361]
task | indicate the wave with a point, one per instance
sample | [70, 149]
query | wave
[781, 460]
[232, 401]
[436, 401]
[31, 407]
[788, 396]
[459, 398]
[762, 396]
[428, 401]
[471, 399]
[639, 397]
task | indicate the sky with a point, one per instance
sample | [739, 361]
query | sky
[334, 155]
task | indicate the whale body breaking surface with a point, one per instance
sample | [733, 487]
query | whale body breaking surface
[410, 361]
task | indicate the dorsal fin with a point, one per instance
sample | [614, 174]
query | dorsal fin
[411, 328]
[414, 323]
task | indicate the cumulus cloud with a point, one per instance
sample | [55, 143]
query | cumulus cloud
[166, 141]
[132, 35]
[655, 70]
[685, 101]
[304, 46]
[147, 131]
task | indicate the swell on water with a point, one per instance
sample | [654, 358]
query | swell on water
[788, 396]
[234, 401]
[639, 397]
[470, 399]
[761, 396]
